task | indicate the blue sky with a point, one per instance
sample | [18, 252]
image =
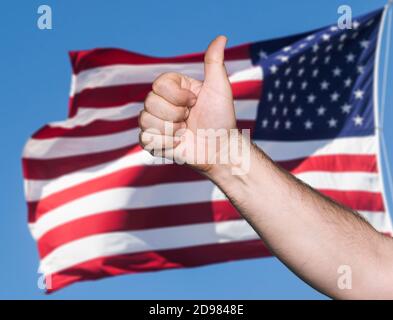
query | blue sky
[34, 90]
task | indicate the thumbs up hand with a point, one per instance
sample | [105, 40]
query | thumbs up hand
[179, 108]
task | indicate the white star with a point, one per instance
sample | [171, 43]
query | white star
[359, 94]
[262, 54]
[282, 58]
[334, 96]
[327, 59]
[311, 98]
[314, 59]
[269, 96]
[276, 124]
[360, 69]
[364, 44]
[288, 71]
[293, 98]
[302, 45]
[315, 73]
[315, 48]
[265, 123]
[355, 24]
[285, 111]
[332, 123]
[302, 59]
[343, 37]
[324, 85]
[310, 37]
[286, 49]
[273, 69]
[340, 46]
[370, 23]
[321, 110]
[304, 85]
[328, 48]
[288, 124]
[337, 72]
[347, 82]
[350, 57]
[308, 125]
[289, 84]
[298, 111]
[281, 97]
[325, 37]
[346, 108]
[358, 120]
[355, 35]
[277, 83]
[300, 72]
[274, 110]
[333, 28]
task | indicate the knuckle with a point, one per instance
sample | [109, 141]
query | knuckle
[149, 97]
[160, 82]
[142, 119]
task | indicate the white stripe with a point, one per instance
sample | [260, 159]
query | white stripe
[341, 181]
[186, 192]
[122, 74]
[245, 110]
[65, 147]
[38, 189]
[379, 220]
[109, 244]
[254, 73]
[287, 150]
[115, 243]
[85, 116]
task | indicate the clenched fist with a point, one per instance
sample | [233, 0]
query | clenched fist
[179, 108]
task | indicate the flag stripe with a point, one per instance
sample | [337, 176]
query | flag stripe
[137, 219]
[119, 95]
[89, 59]
[143, 197]
[43, 168]
[117, 75]
[158, 260]
[142, 219]
[81, 181]
[107, 244]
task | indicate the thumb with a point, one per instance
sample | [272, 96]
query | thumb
[214, 61]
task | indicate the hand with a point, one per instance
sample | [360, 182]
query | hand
[189, 105]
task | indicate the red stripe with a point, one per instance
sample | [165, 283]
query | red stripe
[88, 59]
[45, 169]
[140, 176]
[357, 200]
[332, 163]
[95, 128]
[105, 97]
[137, 219]
[158, 260]
[102, 127]
[134, 176]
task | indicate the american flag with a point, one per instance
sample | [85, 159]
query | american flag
[98, 205]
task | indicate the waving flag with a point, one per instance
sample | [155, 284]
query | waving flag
[100, 206]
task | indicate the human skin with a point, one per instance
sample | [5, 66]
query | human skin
[310, 233]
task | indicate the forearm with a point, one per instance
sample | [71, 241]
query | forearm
[311, 234]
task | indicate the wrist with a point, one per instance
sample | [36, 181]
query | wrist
[236, 169]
